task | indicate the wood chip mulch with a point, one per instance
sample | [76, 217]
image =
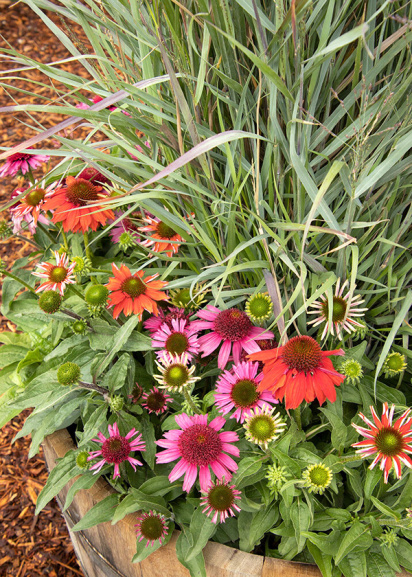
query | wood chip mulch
[30, 545]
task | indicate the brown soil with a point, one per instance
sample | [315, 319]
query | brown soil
[30, 545]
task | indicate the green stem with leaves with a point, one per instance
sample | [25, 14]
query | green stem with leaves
[17, 279]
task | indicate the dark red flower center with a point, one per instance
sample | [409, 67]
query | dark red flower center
[35, 197]
[221, 498]
[58, 274]
[93, 175]
[115, 449]
[232, 325]
[302, 353]
[155, 401]
[244, 393]
[177, 343]
[152, 527]
[164, 230]
[80, 191]
[133, 287]
[389, 441]
[19, 157]
[200, 445]
[339, 309]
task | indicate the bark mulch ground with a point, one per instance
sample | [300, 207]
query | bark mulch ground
[30, 545]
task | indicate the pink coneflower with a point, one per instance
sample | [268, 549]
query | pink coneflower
[116, 449]
[124, 225]
[140, 149]
[136, 393]
[22, 161]
[299, 371]
[94, 176]
[154, 323]
[151, 526]
[219, 500]
[233, 328]
[156, 401]
[199, 445]
[58, 276]
[180, 338]
[238, 390]
[28, 207]
[343, 312]
[389, 442]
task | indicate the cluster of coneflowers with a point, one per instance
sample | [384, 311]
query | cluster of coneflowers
[256, 374]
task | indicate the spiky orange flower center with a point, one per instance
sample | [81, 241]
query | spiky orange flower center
[164, 230]
[35, 197]
[302, 353]
[115, 449]
[339, 309]
[58, 274]
[80, 191]
[177, 343]
[232, 325]
[133, 287]
[389, 441]
[244, 393]
[200, 445]
[221, 498]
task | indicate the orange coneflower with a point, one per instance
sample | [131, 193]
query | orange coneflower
[132, 293]
[163, 237]
[299, 371]
[70, 204]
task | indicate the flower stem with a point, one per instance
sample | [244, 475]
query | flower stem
[87, 247]
[191, 403]
[350, 458]
[66, 246]
[16, 278]
[96, 388]
[298, 419]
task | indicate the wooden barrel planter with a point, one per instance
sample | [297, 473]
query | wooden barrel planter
[106, 550]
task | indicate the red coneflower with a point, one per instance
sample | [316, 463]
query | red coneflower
[70, 204]
[132, 293]
[389, 442]
[156, 401]
[58, 275]
[163, 237]
[116, 449]
[299, 371]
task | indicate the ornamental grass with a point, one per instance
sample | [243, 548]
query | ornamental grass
[246, 166]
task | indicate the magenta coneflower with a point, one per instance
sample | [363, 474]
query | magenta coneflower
[151, 526]
[389, 442]
[233, 328]
[199, 445]
[22, 161]
[219, 500]
[58, 276]
[156, 401]
[180, 338]
[343, 312]
[140, 149]
[116, 449]
[238, 390]
[29, 206]
[165, 316]
[124, 225]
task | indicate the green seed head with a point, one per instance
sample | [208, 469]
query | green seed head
[394, 364]
[50, 301]
[259, 307]
[317, 478]
[81, 460]
[79, 327]
[68, 374]
[352, 370]
[96, 295]
[116, 403]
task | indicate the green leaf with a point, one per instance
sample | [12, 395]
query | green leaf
[353, 564]
[349, 541]
[148, 434]
[93, 424]
[118, 341]
[391, 558]
[372, 479]
[384, 508]
[253, 526]
[11, 354]
[64, 470]
[115, 378]
[102, 512]
[196, 565]
[202, 529]
[148, 502]
[404, 551]
[322, 560]
[248, 467]
[301, 520]
[377, 566]
[84, 482]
